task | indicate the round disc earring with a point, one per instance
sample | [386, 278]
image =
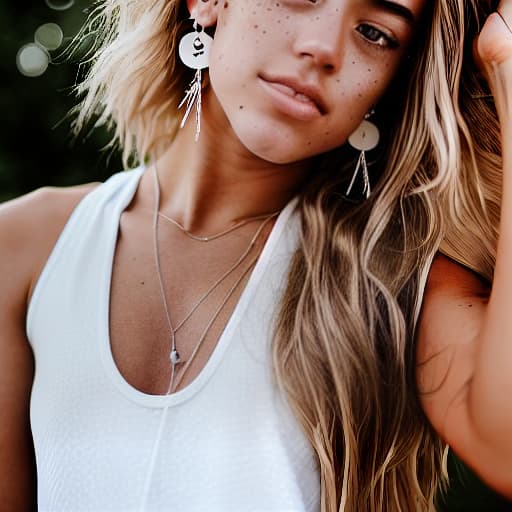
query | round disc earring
[194, 52]
[365, 138]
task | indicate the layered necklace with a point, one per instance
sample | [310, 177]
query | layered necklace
[174, 356]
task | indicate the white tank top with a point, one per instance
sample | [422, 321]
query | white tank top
[228, 442]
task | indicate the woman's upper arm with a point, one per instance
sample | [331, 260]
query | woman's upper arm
[17, 466]
[453, 310]
[29, 227]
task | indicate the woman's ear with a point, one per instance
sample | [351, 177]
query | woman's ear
[203, 11]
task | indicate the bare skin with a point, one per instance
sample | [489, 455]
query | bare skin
[235, 171]
[32, 222]
[206, 191]
[465, 352]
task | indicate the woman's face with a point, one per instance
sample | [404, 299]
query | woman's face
[296, 77]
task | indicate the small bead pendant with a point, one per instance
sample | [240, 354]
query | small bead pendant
[175, 357]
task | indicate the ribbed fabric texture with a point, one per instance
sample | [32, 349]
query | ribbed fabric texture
[229, 441]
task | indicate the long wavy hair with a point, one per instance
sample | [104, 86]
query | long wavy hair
[344, 348]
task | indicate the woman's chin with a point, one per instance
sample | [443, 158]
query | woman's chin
[275, 148]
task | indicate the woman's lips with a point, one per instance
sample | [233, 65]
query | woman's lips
[287, 100]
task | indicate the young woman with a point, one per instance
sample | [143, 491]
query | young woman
[235, 324]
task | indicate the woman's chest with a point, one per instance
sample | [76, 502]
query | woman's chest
[171, 302]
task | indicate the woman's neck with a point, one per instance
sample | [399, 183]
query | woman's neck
[209, 184]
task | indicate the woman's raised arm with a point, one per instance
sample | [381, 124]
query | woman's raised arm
[465, 334]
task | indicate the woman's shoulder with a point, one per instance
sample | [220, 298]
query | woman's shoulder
[453, 309]
[29, 228]
[454, 299]
[450, 274]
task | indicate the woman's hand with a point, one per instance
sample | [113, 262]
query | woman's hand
[494, 45]
[493, 53]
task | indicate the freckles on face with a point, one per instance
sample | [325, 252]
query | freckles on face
[295, 78]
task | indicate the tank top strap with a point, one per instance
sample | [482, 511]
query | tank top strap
[95, 215]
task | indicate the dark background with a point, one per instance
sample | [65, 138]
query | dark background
[36, 149]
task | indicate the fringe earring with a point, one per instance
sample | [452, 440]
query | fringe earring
[194, 52]
[364, 139]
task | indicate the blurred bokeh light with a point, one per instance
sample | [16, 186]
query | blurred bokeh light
[60, 5]
[36, 147]
[32, 60]
[49, 36]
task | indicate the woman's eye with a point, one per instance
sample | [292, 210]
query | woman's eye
[376, 36]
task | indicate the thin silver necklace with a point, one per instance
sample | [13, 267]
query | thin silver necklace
[209, 238]
[174, 356]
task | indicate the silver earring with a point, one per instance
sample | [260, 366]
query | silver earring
[194, 51]
[364, 139]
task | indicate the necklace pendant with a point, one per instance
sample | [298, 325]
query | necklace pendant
[175, 357]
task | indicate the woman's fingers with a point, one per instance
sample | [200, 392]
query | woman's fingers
[494, 44]
[493, 55]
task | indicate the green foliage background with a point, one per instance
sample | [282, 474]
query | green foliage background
[36, 149]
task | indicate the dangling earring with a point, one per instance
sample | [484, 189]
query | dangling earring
[365, 138]
[194, 51]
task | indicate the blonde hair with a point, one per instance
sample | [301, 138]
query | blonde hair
[344, 349]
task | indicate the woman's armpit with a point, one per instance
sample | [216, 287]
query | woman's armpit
[453, 308]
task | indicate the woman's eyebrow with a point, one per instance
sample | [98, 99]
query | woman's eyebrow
[396, 8]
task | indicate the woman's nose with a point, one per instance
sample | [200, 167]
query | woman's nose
[322, 43]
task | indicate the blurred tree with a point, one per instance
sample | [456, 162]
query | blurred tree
[36, 148]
